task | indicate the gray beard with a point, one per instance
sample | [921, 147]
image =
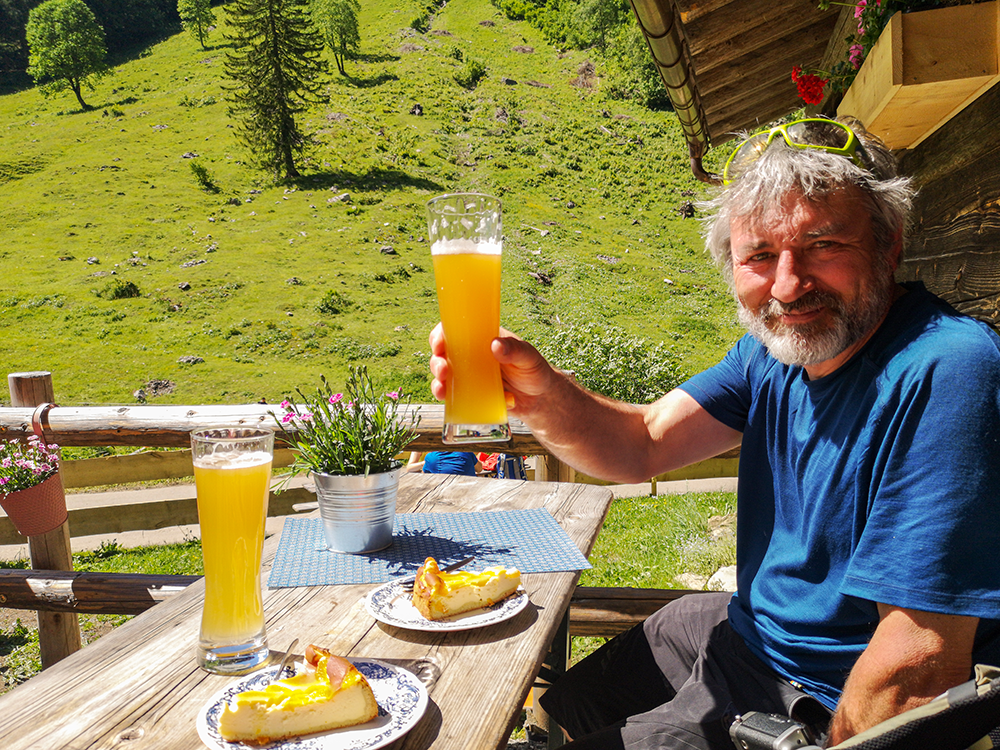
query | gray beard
[812, 344]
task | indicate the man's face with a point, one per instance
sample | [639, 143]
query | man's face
[810, 282]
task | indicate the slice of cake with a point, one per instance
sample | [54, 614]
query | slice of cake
[330, 693]
[438, 595]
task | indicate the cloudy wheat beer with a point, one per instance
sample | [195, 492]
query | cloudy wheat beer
[465, 234]
[232, 473]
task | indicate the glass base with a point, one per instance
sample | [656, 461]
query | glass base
[238, 658]
[460, 434]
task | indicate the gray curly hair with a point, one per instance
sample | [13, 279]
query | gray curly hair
[759, 192]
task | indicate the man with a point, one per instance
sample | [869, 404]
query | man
[869, 419]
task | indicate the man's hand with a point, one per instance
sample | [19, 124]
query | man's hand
[912, 658]
[526, 374]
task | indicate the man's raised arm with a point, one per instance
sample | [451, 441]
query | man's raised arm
[601, 437]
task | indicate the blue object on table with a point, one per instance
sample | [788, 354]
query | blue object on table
[530, 540]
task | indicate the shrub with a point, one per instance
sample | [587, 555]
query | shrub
[334, 303]
[610, 361]
[119, 289]
[471, 73]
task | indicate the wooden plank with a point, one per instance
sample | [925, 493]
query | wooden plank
[925, 68]
[170, 426]
[744, 61]
[140, 467]
[745, 26]
[84, 592]
[157, 514]
[604, 611]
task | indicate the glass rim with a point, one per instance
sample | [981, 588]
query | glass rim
[226, 434]
[447, 196]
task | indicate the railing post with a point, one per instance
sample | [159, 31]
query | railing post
[58, 632]
[548, 468]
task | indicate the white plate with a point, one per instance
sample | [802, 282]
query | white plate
[393, 606]
[401, 697]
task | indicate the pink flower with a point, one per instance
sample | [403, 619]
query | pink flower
[856, 55]
[394, 395]
[286, 405]
[287, 418]
[306, 416]
[859, 9]
[336, 398]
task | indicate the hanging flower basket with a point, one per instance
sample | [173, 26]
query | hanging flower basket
[38, 509]
[925, 68]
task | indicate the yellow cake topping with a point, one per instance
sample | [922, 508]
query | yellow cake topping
[330, 693]
[437, 595]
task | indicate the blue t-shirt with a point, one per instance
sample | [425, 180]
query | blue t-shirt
[447, 462]
[876, 483]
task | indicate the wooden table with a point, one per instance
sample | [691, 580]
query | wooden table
[138, 687]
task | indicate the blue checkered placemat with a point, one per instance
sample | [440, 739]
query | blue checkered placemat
[530, 540]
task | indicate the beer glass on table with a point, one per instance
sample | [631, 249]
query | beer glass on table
[232, 474]
[465, 236]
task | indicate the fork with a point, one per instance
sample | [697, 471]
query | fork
[286, 659]
[408, 585]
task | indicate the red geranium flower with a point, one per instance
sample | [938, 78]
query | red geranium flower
[810, 86]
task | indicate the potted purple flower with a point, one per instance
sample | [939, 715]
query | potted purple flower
[31, 491]
[348, 442]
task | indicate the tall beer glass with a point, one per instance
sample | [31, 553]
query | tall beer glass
[465, 237]
[232, 474]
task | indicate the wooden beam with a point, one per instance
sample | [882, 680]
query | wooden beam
[170, 426]
[157, 514]
[744, 114]
[744, 26]
[722, 69]
[145, 466]
[604, 611]
[58, 591]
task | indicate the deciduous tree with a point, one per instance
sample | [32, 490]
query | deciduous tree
[197, 17]
[65, 47]
[338, 20]
[277, 69]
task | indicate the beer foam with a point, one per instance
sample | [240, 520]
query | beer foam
[229, 459]
[464, 246]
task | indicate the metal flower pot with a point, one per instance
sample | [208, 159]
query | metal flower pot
[357, 511]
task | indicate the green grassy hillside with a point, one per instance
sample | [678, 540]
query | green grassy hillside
[103, 204]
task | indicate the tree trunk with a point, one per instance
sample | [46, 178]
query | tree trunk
[76, 86]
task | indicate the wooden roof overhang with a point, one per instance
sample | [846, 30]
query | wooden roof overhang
[727, 64]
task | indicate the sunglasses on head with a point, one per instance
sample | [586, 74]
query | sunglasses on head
[812, 132]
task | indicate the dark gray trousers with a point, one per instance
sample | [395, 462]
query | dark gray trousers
[675, 682]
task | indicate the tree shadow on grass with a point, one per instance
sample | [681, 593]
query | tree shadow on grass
[376, 178]
[370, 57]
[371, 82]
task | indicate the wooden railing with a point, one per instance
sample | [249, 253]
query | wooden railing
[147, 426]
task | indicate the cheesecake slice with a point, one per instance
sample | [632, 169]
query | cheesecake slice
[330, 693]
[437, 595]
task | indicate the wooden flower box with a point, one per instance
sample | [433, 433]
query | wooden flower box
[924, 69]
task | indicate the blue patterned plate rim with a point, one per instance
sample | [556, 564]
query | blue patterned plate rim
[401, 697]
[390, 605]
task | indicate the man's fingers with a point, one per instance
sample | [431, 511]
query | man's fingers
[436, 339]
